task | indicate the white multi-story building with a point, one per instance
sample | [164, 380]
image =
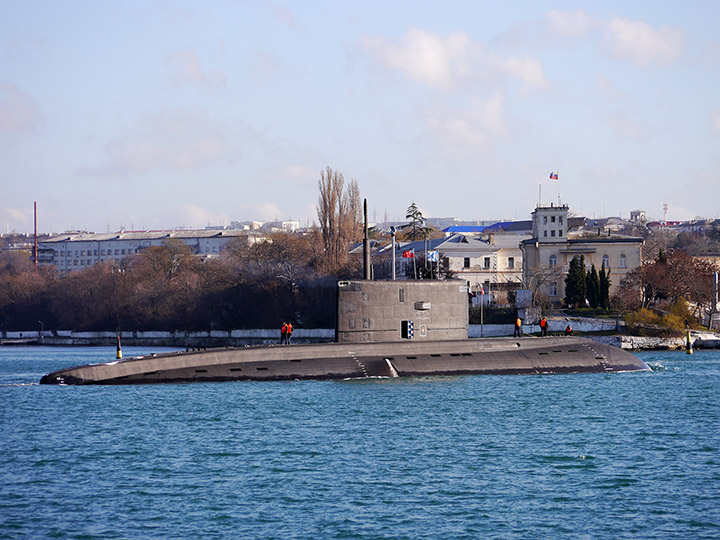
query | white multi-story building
[75, 251]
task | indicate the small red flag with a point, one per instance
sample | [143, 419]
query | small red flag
[409, 253]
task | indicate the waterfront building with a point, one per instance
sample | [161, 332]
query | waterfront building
[492, 263]
[76, 251]
[548, 253]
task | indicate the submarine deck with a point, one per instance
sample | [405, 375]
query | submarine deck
[529, 355]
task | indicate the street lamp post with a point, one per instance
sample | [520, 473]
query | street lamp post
[42, 329]
[393, 230]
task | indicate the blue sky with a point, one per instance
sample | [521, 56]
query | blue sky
[157, 114]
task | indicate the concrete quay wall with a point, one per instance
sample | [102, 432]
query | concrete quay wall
[209, 338]
[237, 338]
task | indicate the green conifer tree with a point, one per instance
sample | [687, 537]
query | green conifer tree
[604, 287]
[575, 282]
[592, 281]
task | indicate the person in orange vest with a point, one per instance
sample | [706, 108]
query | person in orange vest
[543, 327]
[288, 333]
[518, 327]
[568, 330]
[283, 333]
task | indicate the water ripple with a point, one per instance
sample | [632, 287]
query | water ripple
[578, 456]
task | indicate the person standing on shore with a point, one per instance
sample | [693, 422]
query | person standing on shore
[283, 333]
[543, 327]
[518, 327]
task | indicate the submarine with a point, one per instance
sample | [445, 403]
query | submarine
[496, 356]
[384, 329]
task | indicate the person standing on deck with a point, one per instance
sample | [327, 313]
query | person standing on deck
[543, 327]
[288, 333]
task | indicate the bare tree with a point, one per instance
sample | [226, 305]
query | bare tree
[538, 277]
[355, 212]
[339, 215]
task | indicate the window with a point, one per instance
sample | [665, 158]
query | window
[560, 219]
[560, 232]
[545, 220]
[466, 262]
[552, 261]
[486, 262]
[606, 261]
[552, 233]
[401, 295]
[622, 263]
[553, 288]
[511, 262]
[544, 233]
[552, 219]
[122, 251]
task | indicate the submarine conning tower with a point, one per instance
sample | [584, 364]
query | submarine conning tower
[387, 311]
[371, 311]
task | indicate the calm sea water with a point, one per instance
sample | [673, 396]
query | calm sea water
[509, 457]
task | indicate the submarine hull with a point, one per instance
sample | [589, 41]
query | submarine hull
[359, 360]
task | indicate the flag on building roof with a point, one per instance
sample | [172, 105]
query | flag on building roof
[409, 253]
[553, 176]
[432, 256]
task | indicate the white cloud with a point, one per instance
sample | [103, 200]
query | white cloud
[169, 140]
[643, 44]
[194, 215]
[187, 69]
[607, 89]
[715, 119]
[17, 109]
[285, 16]
[525, 69]
[425, 56]
[492, 115]
[452, 61]
[571, 24]
[476, 128]
[265, 66]
[459, 131]
[11, 216]
[298, 174]
[263, 211]
[197, 216]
